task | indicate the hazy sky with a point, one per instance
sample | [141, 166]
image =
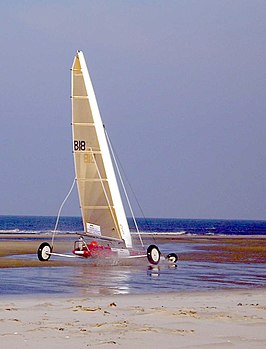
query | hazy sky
[181, 88]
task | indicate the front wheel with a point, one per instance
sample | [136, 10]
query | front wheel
[44, 251]
[153, 254]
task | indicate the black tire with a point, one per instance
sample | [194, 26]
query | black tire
[172, 258]
[153, 254]
[44, 252]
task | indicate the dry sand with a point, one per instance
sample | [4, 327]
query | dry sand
[220, 319]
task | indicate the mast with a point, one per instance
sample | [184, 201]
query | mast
[100, 201]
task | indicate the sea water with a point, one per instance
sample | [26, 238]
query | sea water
[38, 224]
[84, 278]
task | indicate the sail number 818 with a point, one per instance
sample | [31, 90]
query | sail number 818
[79, 145]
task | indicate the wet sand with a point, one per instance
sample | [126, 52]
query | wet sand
[236, 249]
[12, 246]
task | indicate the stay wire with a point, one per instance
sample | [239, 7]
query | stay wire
[60, 209]
[115, 156]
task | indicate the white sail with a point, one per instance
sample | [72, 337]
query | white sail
[101, 205]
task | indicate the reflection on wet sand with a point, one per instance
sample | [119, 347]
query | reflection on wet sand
[204, 263]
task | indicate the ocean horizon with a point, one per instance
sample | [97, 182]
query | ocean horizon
[38, 224]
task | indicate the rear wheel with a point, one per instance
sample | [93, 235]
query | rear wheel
[172, 258]
[153, 254]
[44, 251]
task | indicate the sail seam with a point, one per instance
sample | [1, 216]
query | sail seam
[97, 207]
[92, 179]
[80, 152]
[83, 124]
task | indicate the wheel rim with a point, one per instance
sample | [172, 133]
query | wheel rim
[155, 254]
[46, 252]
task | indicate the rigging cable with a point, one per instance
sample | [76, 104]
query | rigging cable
[130, 187]
[123, 186]
[135, 197]
[60, 209]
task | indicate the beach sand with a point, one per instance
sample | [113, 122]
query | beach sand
[212, 319]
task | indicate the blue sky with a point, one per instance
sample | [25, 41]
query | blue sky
[181, 89]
